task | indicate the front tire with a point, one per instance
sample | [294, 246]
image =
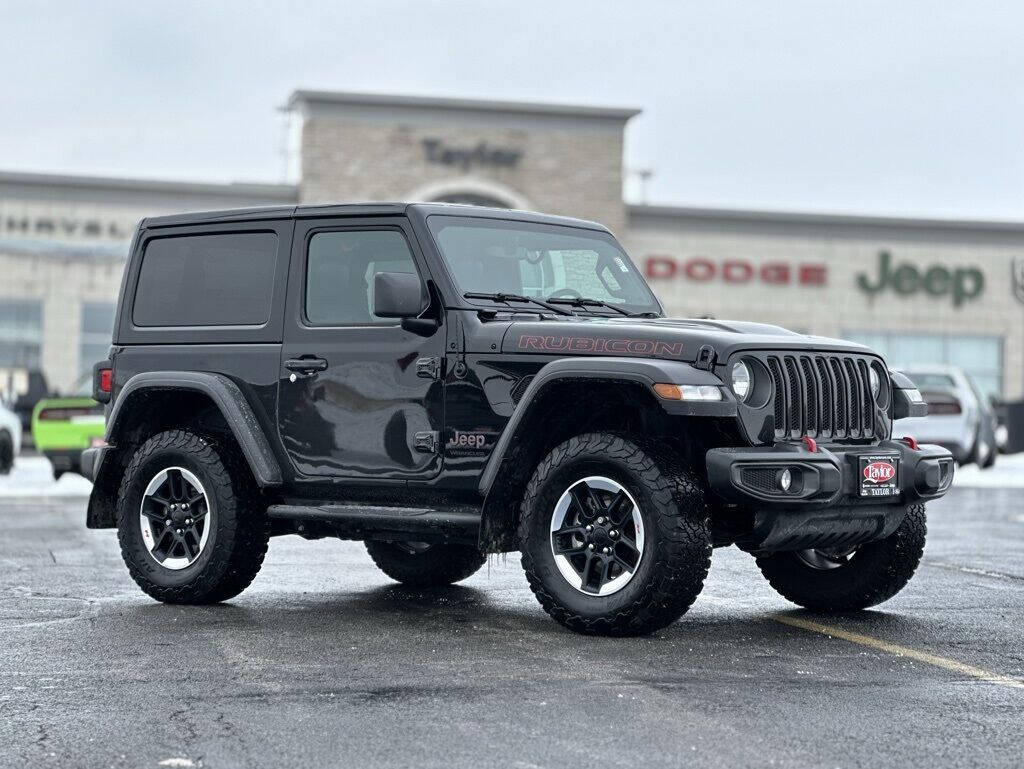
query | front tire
[836, 581]
[615, 536]
[191, 524]
[419, 564]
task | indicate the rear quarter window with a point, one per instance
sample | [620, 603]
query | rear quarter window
[220, 279]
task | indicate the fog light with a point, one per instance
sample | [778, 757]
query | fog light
[785, 479]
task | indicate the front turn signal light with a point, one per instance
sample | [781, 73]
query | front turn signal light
[673, 392]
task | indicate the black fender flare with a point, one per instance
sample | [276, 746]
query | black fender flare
[227, 397]
[646, 372]
[103, 465]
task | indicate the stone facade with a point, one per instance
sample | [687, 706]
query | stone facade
[557, 160]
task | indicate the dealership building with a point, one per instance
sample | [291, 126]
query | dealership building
[919, 290]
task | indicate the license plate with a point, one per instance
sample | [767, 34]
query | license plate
[879, 476]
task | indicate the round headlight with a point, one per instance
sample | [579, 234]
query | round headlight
[876, 382]
[741, 381]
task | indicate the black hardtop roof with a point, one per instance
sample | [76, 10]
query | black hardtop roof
[360, 209]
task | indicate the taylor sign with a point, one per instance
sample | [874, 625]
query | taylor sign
[482, 154]
[700, 269]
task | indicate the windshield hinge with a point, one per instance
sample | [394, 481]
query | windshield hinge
[705, 358]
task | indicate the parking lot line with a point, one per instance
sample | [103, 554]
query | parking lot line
[901, 651]
[972, 570]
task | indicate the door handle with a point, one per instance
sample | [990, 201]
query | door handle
[306, 365]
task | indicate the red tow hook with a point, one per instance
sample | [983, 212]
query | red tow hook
[810, 443]
[910, 442]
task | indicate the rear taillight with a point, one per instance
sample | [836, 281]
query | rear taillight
[103, 381]
[70, 414]
[944, 406]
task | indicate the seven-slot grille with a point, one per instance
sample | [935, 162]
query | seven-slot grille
[821, 395]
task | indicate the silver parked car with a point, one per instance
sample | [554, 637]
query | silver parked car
[10, 438]
[960, 417]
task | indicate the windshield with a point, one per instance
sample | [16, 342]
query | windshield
[540, 261]
[932, 381]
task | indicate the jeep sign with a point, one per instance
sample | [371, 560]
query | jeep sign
[960, 283]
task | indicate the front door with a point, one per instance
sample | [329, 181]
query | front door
[358, 397]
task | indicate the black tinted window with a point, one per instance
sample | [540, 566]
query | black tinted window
[207, 280]
[340, 270]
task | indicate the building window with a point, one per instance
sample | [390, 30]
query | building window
[97, 328]
[979, 356]
[21, 334]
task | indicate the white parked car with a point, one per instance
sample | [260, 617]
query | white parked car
[10, 438]
[959, 417]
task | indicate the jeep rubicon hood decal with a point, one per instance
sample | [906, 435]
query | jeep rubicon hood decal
[668, 338]
[600, 345]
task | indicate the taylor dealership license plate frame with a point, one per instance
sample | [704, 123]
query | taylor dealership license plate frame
[873, 487]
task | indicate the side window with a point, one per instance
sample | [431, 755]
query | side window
[339, 274]
[222, 279]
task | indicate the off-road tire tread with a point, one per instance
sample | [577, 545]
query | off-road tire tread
[241, 546]
[442, 564]
[682, 520]
[885, 568]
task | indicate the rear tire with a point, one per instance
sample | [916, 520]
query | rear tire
[644, 558]
[875, 572]
[990, 458]
[235, 530]
[6, 452]
[423, 565]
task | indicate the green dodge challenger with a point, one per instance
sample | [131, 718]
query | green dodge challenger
[63, 427]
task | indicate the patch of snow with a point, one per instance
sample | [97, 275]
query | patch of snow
[33, 477]
[1007, 473]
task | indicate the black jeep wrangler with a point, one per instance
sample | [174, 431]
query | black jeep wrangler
[448, 381]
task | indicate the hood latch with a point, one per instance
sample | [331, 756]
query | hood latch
[705, 358]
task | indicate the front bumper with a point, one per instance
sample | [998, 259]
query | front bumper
[824, 506]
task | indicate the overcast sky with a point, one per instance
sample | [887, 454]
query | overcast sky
[879, 107]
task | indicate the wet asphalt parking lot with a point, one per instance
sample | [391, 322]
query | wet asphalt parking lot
[324, 662]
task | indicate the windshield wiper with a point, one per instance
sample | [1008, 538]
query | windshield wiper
[509, 298]
[582, 301]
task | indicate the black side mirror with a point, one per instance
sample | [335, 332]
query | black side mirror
[398, 295]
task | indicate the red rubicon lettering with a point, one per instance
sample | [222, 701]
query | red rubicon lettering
[531, 342]
[600, 345]
[581, 344]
